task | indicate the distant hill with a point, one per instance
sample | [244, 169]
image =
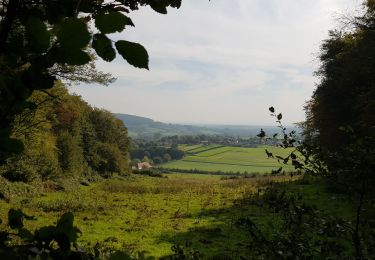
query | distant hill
[143, 127]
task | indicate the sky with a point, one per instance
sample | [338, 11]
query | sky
[221, 61]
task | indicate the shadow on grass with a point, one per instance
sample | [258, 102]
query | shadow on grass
[216, 236]
[220, 238]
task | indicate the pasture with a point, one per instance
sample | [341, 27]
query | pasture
[229, 159]
[145, 216]
[148, 215]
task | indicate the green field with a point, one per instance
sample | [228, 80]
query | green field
[147, 214]
[229, 159]
[186, 147]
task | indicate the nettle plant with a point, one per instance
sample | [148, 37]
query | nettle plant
[302, 157]
[350, 167]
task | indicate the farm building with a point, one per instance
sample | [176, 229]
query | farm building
[144, 166]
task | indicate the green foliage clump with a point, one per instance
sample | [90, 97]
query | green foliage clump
[155, 151]
[340, 116]
[63, 137]
[43, 41]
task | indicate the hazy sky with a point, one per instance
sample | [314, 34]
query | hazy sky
[221, 62]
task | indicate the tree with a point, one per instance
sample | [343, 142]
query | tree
[339, 129]
[64, 136]
[135, 162]
[166, 157]
[109, 160]
[346, 93]
[157, 160]
[38, 37]
[146, 159]
[70, 153]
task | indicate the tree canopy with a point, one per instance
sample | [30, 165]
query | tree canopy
[37, 36]
[66, 137]
[345, 96]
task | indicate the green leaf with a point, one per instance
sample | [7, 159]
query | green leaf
[103, 47]
[73, 34]
[279, 116]
[261, 134]
[158, 6]
[271, 109]
[134, 53]
[72, 56]
[176, 3]
[112, 22]
[37, 36]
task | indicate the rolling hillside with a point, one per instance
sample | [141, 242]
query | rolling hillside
[142, 127]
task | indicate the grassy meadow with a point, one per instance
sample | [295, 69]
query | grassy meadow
[229, 159]
[148, 215]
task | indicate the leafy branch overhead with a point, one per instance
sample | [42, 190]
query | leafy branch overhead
[38, 36]
[67, 39]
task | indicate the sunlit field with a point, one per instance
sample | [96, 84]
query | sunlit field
[229, 159]
[149, 214]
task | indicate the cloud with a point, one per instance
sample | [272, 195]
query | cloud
[222, 61]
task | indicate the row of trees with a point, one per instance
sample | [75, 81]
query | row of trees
[340, 125]
[154, 152]
[215, 139]
[64, 136]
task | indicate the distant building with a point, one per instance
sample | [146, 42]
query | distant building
[144, 166]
